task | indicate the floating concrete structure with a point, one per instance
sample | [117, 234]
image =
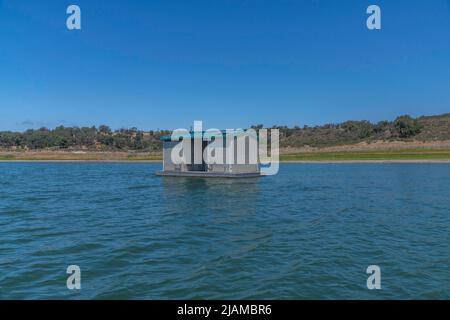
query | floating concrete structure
[195, 165]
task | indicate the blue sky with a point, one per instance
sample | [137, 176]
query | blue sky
[164, 64]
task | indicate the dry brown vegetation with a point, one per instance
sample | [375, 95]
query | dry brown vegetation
[425, 137]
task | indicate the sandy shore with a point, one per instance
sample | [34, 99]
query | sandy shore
[374, 146]
[412, 161]
[367, 161]
[80, 161]
[376, 152]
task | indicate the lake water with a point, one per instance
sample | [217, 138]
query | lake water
[309, 232]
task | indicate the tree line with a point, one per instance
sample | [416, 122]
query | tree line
[350, 132]
[92, 138]
[103, 138]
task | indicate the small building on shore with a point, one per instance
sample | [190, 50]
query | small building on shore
[222, 154]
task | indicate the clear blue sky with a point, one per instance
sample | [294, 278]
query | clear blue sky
[164, 64]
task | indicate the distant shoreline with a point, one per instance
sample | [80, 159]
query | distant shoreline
[406, 161]
[79, 161]
[379, 152]
[418, 161]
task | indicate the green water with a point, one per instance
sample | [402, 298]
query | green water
[309, 232]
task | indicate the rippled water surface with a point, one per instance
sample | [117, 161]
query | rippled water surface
[308, 233]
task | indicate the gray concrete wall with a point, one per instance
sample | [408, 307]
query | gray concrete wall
[214, 168]
[167, 160]
[170, 166]
[233, 168]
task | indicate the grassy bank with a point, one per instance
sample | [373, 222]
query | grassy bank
[408, 154]
[72, 156]
[368, 155]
